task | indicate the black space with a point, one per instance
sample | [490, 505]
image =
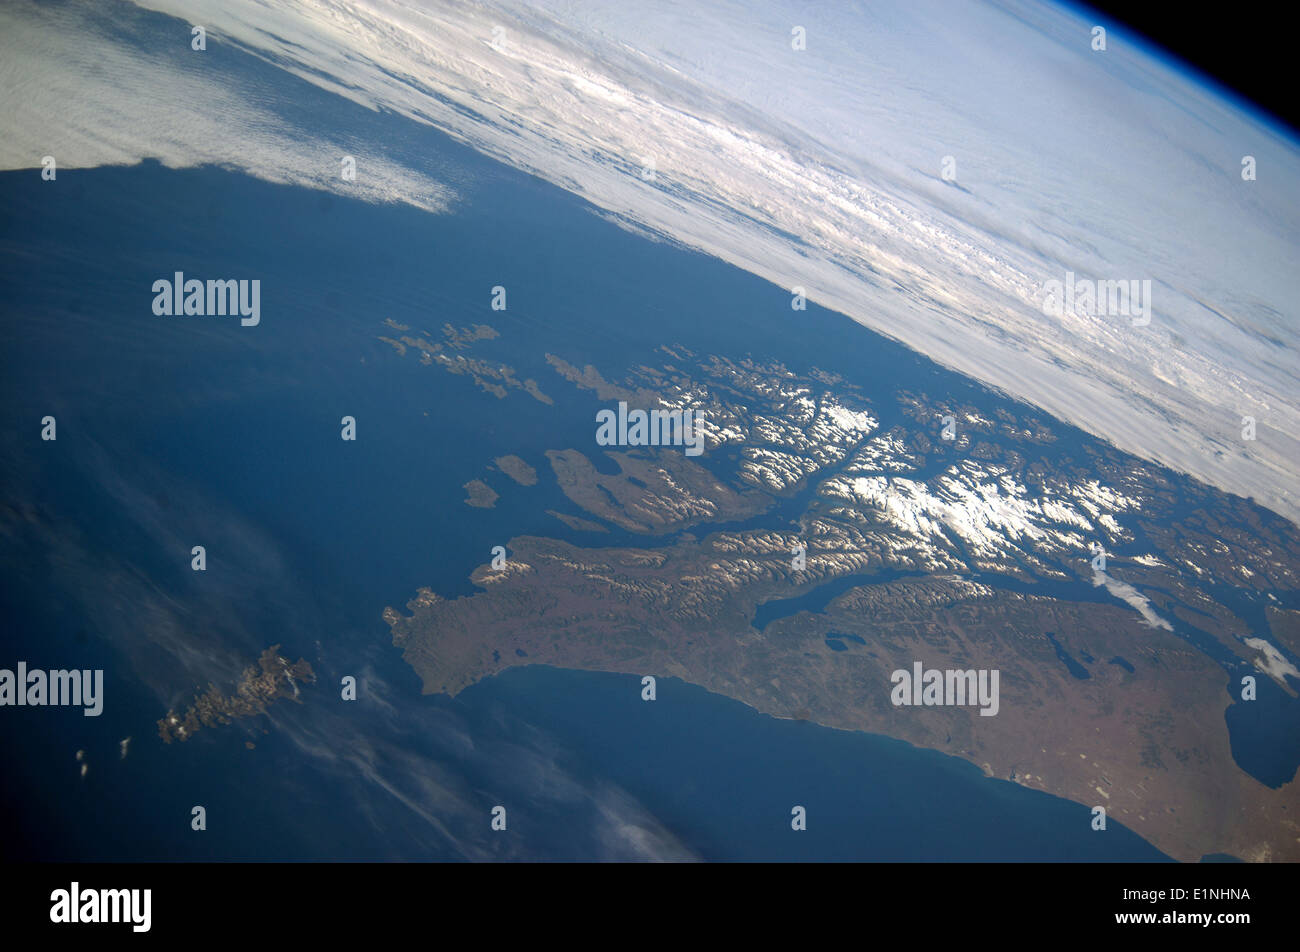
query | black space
[1241, 46]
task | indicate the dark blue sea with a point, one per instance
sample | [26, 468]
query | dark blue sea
[175, 432]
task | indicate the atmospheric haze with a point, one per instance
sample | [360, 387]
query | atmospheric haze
[819, 168]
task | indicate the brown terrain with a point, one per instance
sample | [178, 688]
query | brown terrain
[928, 540]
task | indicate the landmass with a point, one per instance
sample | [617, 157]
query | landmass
[492, 377]
[517, 469]
[1113, 597]
[272, 678]
[481, 495]
[652, 493]
[577, 523]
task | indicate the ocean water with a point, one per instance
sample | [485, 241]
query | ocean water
[182, 431]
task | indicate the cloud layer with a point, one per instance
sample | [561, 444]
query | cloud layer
[817, 167]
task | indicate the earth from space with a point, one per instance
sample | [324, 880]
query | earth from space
[664, 431]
